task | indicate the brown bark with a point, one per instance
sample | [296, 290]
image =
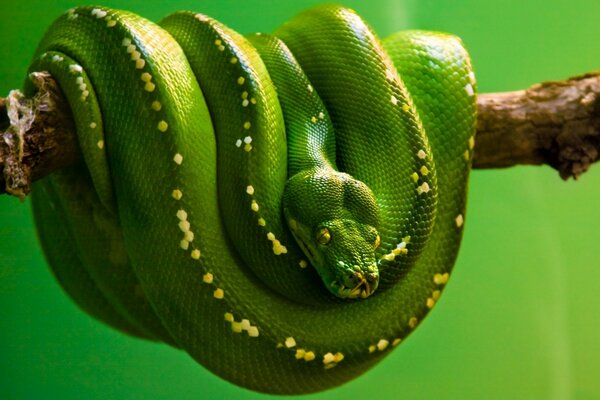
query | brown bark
[553, 123]
[37, 136]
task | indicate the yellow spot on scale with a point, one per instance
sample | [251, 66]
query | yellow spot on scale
[459, 220]
[149, 87]
[126, 42]
[412, 322]
[93, 125]
[436, 295]
[156, 106]
[246, 324]
[338, 357]
[329, 366]
[245, 103]
[241, 80]
[471, 142]
[300, 353]
[421, 154]
[262, 222]
[424, 188]
[136, 55]
[321, 115]
[247, 125]
[110, 23]
[178, 159]
[396, 342]
[430, 302]
[248, 147]
[313, 120]
[415, 177]
[207, 278]
[195, 254]
[278, 248]
[189, 236]
[177, 194]
[250, 190]
[424, 170]
[254, 206]
[221, 48]
[441, 279]
[139, 64]
[328, 358]
[405, 107]
[218, 42]
[310, 88]
[100, 144]
[236, 327]
[146, 77]
[229, 317]
[389, 257]
[182, 215]
[233, 60]
[218, 293]
[466, 155]
[309, 356]
[253, 331]
[372, 348]
[162, 126]
[253, 100]
[382, 344]
[184, 244]
[130, 48]
[303, 264]
[290, 342]
[270, 236]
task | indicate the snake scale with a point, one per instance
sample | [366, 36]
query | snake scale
[286, 208]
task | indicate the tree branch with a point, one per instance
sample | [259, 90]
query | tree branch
[553, 123]
[37, 136]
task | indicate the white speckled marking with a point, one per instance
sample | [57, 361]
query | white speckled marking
[75, 68]
[469, 89]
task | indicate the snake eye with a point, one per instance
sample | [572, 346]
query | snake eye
[323, 236]
[377, 242]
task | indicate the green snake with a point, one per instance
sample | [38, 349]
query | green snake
[286, 208]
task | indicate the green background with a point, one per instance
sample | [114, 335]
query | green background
[520, 317]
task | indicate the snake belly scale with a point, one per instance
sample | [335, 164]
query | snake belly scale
[285, 208]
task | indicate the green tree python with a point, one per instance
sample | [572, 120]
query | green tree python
[286, 208]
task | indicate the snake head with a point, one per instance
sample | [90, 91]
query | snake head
[334, 219]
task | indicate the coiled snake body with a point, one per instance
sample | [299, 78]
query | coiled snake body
[285, 208]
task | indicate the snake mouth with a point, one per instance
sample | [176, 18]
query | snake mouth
[363, 289]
